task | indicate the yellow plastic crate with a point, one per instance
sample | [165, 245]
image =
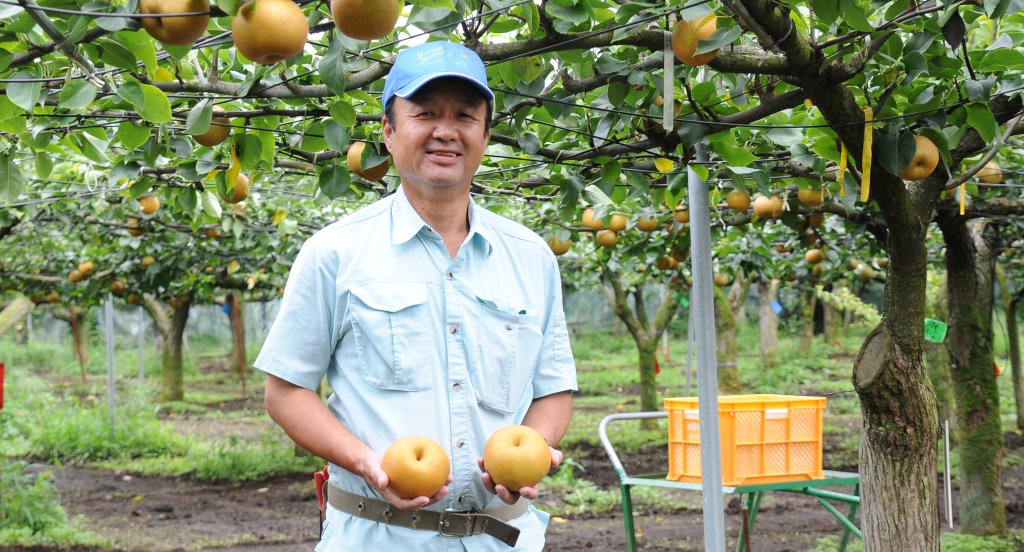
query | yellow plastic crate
[764, 438]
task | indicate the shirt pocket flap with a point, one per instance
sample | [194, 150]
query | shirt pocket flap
[501, 308]
[391, 297]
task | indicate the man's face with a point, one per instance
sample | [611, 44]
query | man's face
[438, 136]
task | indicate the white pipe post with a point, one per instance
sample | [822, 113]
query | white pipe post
[703, 309]
[108, 322]
[689, 350]
[141, 341]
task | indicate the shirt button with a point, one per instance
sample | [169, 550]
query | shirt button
[456, 386]
[449, 276]
[508, 326]
[453, 329]
[459, 443]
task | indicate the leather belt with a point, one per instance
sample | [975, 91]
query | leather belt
[447, 523]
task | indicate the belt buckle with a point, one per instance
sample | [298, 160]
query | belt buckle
[470, 523]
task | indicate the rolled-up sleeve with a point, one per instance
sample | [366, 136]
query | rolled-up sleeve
[303, 337]
[556, 369]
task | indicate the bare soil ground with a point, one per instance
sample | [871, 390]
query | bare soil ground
[279, 514]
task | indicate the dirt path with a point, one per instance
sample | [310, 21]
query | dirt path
[157, 514]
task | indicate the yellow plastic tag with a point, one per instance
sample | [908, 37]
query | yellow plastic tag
[963, 197]
[233, 170]
[841, 177]
[865, 181]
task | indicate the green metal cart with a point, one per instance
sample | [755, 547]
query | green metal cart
[813, 487]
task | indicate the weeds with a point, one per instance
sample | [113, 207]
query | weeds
[31, 514]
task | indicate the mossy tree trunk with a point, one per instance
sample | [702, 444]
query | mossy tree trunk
[1010, 302]
[170, 322]
[937, 358]
[738, 297]
[768, 322]
[969, 266]
[725, 332]
[833, 323]
[808, 303]
[14, 311]
[646, 331]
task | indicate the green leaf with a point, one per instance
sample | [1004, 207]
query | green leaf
[24, 94]
[250, 150]
[43, 164]
[567, 10]
[133, 135]
[855, 17]
[141, 45]
[722, 37]
[939, 139]
[996, 8]
[11, 179]
[188, 199]
[529, 142]
[344, 113]
[131, 92]
[509, 75]
[1001, 59]
[92, 147]
[211, 205]
[337, 136]
[117, 55]
[157, 108]
[980, 118]
[334, 179]
[826, 10]
[199, 117]
[269, 152]
[332, 67]
[77, 94]
[895, 151]
[735, 156]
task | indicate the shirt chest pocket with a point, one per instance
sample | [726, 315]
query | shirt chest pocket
[504, 354]
[393, 335]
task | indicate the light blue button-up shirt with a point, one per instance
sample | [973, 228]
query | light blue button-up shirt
[415, 343]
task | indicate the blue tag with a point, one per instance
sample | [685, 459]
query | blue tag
[777, 307]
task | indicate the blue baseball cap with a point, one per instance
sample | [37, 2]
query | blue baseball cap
[421, 64]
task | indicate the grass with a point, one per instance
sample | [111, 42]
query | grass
[31, 514]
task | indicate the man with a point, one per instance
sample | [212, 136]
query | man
[430, 316]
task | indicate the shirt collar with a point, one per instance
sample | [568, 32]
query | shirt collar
[406, 222]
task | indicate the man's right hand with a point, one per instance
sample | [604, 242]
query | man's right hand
[372, 470]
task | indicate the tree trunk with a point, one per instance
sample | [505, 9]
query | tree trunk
[808, 302]
[768, 322]
[1010, 301]
[239, 365]
[76, 317]
[969, 265]
[738, 298]
[79, 337]
[833, 324]
[645, 332]
[937, 359]
[172, 331]
[14, 311]
[173, 373]
[1013, 344]
[725, 330]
